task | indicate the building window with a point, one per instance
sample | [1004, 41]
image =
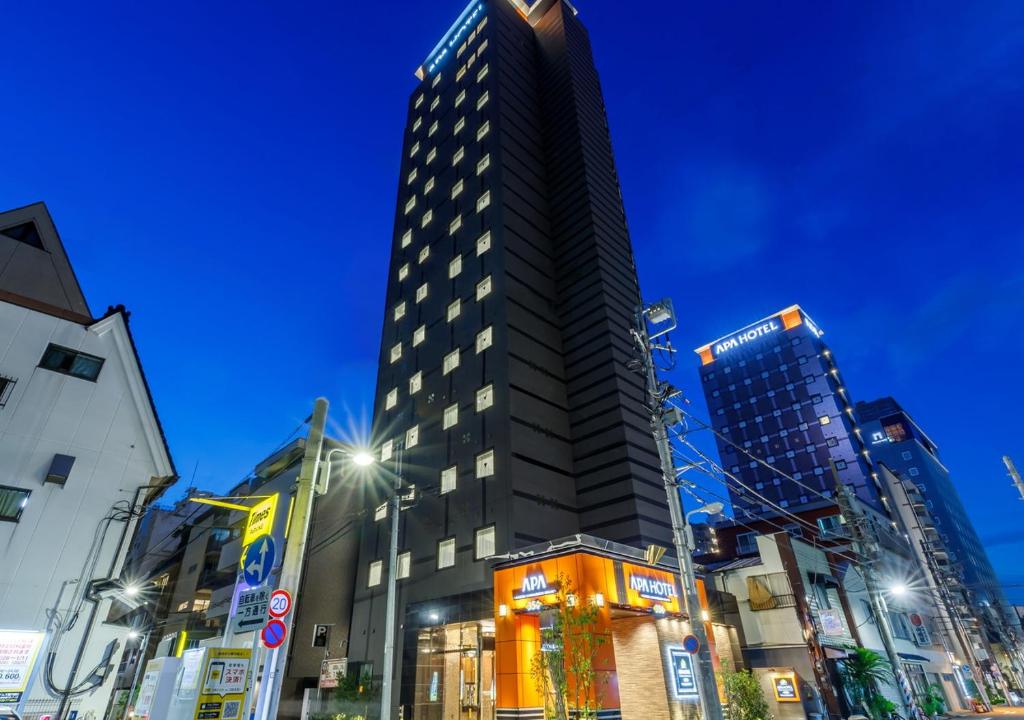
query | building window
[387, 449]
[437, 79]
[396, 352]
[423, 254]
[451, 361]
[436, 101]
[484, 545]
[457, 189]
[914, 472]
[428, 185]
[483, 45]
[400, 310]
[482, 74]
[483, 98]
[414, 149]
[483, 201]
[483, 163]
[12, 502]
[454, 225]
[391, 399]
[906, 455]
[446, 553]
[427, 217]
[483, 243]
[433, 128]
[455, 266]
[840, 464]
[485, 464]
[421, 293]
[419, 101]
[376, 570]
[458, 155]
[404, 565]
[431, 155]
[459, 125]
[483, 288]
[412, 175]
[483, 130]
[484, 398]
[419, 335]
[403, 272]
[412, 437]
[416, 382]
[460, 73]
[460, 97]
[71, 362]
[454, 308]
[746, 543]
[451, 417]
[449, 477]
[824, 420]
[484, 338]
[407, 238]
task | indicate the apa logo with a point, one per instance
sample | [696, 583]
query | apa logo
[652, 588]
[745, 336]
[534, 585]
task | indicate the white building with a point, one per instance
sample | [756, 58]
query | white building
[80, 446]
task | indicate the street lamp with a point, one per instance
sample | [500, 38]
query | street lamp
[713, 508]
[897, 589]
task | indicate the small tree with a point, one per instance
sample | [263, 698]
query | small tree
[862, 673]
[563, 667]
[745, 696]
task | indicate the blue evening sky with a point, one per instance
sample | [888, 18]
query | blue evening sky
[228, 171]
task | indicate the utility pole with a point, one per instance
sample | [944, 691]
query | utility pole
[866, 546]
[1014, 475]
[295, 548]
[394, 510]
[657, 393]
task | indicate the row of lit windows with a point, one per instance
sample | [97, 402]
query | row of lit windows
[483, 244]
[483, 547]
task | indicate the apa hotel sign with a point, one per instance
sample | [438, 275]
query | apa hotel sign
[534, 585]
[745, 336]
[653, 588]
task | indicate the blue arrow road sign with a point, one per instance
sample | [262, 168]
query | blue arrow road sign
[258, 560]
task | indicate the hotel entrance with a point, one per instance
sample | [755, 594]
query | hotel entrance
[455, 672]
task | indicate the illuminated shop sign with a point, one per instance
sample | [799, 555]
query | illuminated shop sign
[652, 588]
[748, 335]
[684, 682]
[784, 685]
[534, 585]
[455, 34]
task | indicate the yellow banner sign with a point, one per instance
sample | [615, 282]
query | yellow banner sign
[261, 519]
[222, 690]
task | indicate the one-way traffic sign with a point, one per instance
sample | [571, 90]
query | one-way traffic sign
[258, 561]
[251, 612]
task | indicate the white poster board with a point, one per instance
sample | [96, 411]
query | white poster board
[156, 687]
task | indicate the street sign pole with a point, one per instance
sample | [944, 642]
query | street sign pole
[295, 554]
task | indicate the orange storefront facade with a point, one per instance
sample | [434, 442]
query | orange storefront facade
[643, 669]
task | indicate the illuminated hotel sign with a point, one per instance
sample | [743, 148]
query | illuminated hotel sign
[451, 39]
[745, 336]
[685, 684]
[783, 320]
[652, 588]
[534, 585]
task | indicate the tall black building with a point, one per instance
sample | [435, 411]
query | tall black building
[503, 375]
[775, 394]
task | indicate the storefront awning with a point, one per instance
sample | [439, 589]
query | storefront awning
[910, 657]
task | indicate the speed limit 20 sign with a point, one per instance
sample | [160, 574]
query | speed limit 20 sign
[280, 603]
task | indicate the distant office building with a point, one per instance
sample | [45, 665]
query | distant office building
[895, 439]
[775, 395]
[503, 381]
[80, 445]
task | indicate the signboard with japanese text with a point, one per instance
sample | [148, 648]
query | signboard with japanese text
[251, 612]
[155, 688]
[18, 650]
[222, 690]
[331, 670]
[831, 622]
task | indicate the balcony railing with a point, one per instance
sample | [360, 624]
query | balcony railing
[774, 602]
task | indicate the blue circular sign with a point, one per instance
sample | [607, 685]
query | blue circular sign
[691, 644]
[273, 634]
[258, 560]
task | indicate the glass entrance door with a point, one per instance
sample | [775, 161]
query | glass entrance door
[455, 672]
